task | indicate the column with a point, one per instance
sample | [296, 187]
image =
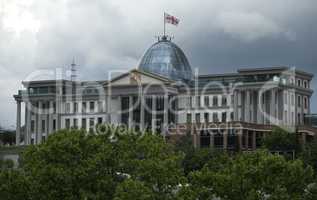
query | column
[153, 114]
[253, 140]
[165, 116]
[212, 139]
[260, 103]
[39, 123]
[50, 118]
[225, 139]
[18, 124]
[28, 121]
[235, 106]
[240, 139]
[247, 107]
[246, 142]
[303, 139]
[130, 112]
[272, 107]
[142, 113]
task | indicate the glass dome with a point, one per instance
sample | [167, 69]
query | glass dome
[167, 59]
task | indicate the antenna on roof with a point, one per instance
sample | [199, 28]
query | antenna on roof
[73, 75]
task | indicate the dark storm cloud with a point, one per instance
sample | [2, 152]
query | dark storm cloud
[217, 36]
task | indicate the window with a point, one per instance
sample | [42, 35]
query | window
[189, 118]
[206, 101]
[298, 118]
[54, 124]
[215, 101]
[206, 117]
[54, 107]
[299, 82]
[224, 117]
[67, 108]
[83, 108]
[100, 106]
[305, 103]
[32, 126]
[75, 122]
[285, 98]
[299, 101]
[197, 117]
[292, 99]
[43, 126]
[224, 101]
[92, 106]
[215, 117]
[75, 107]
[83, 123]
[198, 101]
[67, 123]
[305, 84]
[91, 122]
[99, 120]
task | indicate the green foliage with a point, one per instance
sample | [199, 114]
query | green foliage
[133, 190]
[309, 154]
[252, 176]
[123, 165]
[71, 165]
[281, 140]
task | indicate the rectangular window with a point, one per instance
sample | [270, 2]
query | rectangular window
[305, 103]
[198, 102]
[100, 106]
[67, 123]
[67, 109]
[75, 123]
[215, 101]
[54, 124]
[299, 101]
[197, 117]
[91, 122]
[75, 107]
[298, 82]
[206, 117]
[285, 98]
[83, 107]
[92, 106]
[305, 84]
[206, 101]
[99, 120]
[32, 126]
[43, 126]
[215, 117]
[224, 117]
[189, 118]
[83, 123]
[54, 107]
[224, 101]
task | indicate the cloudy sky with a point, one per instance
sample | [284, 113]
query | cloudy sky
[216, 35]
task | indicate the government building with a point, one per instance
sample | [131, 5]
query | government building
[165, 95]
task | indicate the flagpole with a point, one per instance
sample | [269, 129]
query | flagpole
[164, 24]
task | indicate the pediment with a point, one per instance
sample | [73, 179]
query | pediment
[136, 77]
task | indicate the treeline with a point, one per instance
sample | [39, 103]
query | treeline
[72, 164]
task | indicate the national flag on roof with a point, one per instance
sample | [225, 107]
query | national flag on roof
[171, 19]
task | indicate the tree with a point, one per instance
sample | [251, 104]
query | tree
[149, 159]
[71, 165]
[256, 175]
[281, 140]
[133, 190]
[309, 154]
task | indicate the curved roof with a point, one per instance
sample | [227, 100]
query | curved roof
[167, 59]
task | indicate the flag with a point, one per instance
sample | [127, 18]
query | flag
[171, 19]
